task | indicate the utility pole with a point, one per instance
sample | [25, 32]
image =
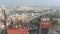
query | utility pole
[39, 19]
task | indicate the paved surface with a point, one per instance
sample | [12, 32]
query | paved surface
[33, 32]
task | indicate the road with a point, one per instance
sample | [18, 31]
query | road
[33, 32]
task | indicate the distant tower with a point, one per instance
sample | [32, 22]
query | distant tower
[3, 12]
[4, 17]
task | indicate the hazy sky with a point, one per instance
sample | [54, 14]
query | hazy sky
[30, 2]
[20, 2]
[50, 3]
